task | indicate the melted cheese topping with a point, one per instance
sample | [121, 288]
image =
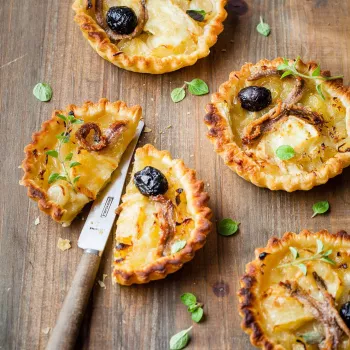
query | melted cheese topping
[313, 146]
[138, 229]
[168, 30]
[95, 168]
[283, 317]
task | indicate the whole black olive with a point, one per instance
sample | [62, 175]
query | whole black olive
[255, 98]
[121, 19]
[150, 181]
[345, 313]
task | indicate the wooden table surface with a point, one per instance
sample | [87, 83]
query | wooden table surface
[40, 42]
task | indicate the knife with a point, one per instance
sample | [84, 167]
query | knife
[93, 239]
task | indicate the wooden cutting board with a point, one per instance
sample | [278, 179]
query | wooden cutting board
[40, 42]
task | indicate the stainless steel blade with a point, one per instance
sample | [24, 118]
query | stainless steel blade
[99, 222]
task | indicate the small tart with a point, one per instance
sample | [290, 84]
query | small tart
[149, 226]
[282, 308]
[165, 39]
[97, 143]
[318, 130]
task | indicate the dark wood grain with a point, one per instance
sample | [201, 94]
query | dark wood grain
[40, 42]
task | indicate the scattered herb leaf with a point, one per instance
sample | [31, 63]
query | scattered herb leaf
[294, 252]
[285, 152]
[197, 314]
[263, 28]
[73, 164]
[178, 94]
[320, 208]
[303, 268]
[42, 92]
[177, 246]
[320, 246]
[228, 227]
[76, 179]
[319, 90]
[180, 340]
[193, 307]
[197, 15]
[188, 299]
[69, 156]
[52, 153]
[197, 87]
[53, 177]
[312, 338]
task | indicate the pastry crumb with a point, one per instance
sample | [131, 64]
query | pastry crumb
[102, 283]
[188, 113]
[63, 244]
[191, 155]
[37, 221]
[146, 129]
[169, 126]
[223, 50]
[46, 330]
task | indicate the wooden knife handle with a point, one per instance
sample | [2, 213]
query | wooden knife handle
[64, 335]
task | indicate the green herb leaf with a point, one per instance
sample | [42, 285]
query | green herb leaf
[328, 252]
[197, 314]
[312, 338]
[180, 340]
[286, 73]
[263, 28]
[52, 153]
[178, 94]
[319, 90]
[42, 92]
[63, 137]
[177, 246]
[319, 246]
[197, 87]
[188, 299]
[197, 15]
[193, 308]
[53, 177]
[303, 268]
[294, 252]
[61, 116]
[76, 179]
[328, 260]
[69, 156]
[285, 152]
[73, 164]
[77, 121]
[320, 208]
[316, 72]
[228, 227]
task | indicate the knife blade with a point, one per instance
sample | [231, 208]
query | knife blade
[99, 222]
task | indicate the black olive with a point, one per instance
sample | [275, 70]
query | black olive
[255, 98]
[150, 181]
[121, 19]
[345, 313]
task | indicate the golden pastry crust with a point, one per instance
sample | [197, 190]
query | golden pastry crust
[60, 200]
[141, 255]
[263, 279]
[159, 62]
[228, 128]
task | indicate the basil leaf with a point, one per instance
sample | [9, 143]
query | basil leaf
[197, 15]
[303, 268]
[73, 164]
[177, 246]
[69, 156]
[53, 177]
[180, 340]
[197, 87]
[197, 315]
[76, 179]
[42, 92]
[294, 252]
[320, 208]
[285, 152]
[188, 299]
[263, 28]
[319, 246]
[178, 94]
[286, 73]
[52, 153]
[316, 72]
[228, 227]
[319, 90]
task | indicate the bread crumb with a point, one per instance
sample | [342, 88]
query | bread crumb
[188, 113]
[191, 155]
[223, 50]
[63, 244]
[46, 330]
[37, 221]
[146, 129]
[102, 283]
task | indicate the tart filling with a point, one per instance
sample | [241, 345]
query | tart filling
[162, 221]
[259, 110]
[151, 36]
[296, 293]
[74, 154]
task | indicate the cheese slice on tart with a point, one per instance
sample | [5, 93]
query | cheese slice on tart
[259, 112]
[74, 154]
[163, 218]
[151, 36]
[296, 293]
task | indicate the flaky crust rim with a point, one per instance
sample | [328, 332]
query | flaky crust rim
[220, 136]
[47, 127]
[198, 200]
[248, 293]
[101, 43]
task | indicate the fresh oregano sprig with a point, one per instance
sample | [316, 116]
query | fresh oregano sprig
[320, 255]
[196, 87]
[291, 69]
[64, 137]
[193, 306]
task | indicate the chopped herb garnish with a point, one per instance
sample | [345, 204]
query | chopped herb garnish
[285, 152]
[197, 15]
[180, 340]
[320, 208]
[263, 28]
[194, 308]
[42, 92]
[228, 227]
[196, 87]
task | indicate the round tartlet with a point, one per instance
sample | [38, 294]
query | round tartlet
[156, 235]
[92, 152]
[317, 129]
[166, 38]
[296, 307]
